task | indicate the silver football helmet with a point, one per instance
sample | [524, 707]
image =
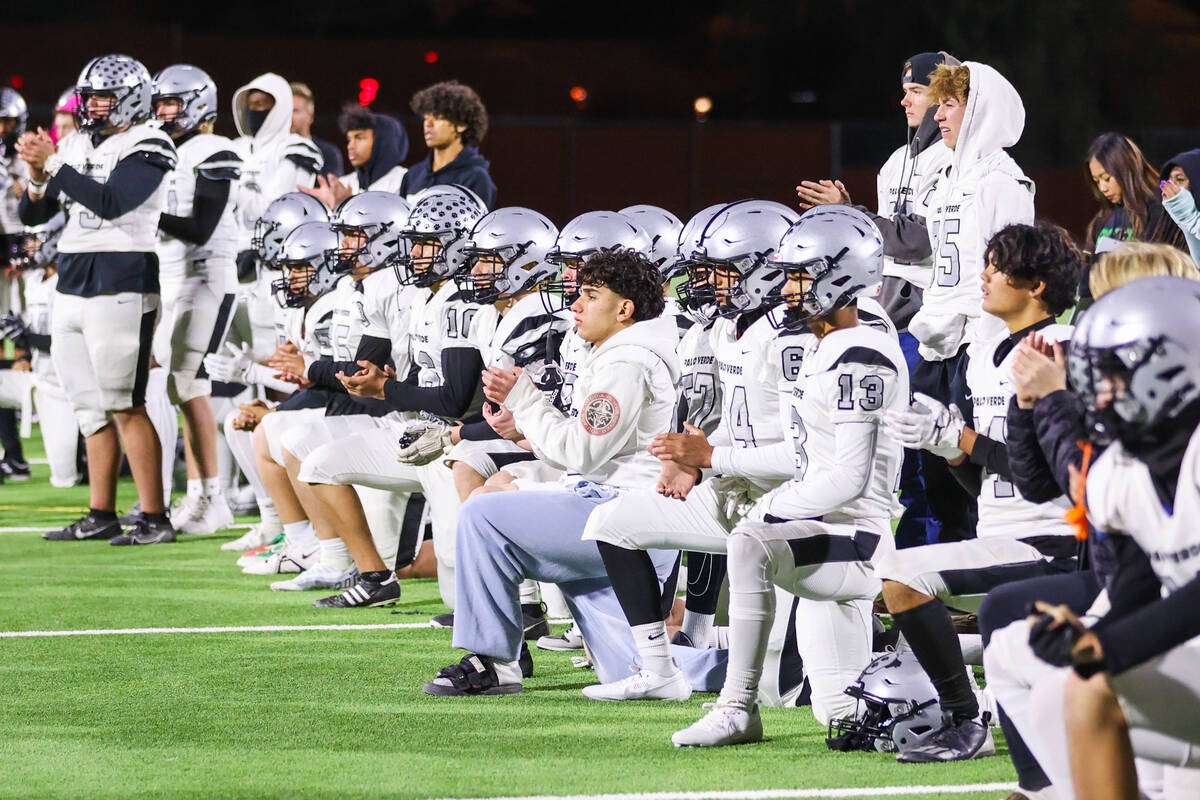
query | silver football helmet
[897, 707]
[740, 239]
[192, 87]
[280, 218]
[442, 219]
[588, 233]
[520, 238]
[126, 79]
[307, 257]
[446, 188]
[696, 295]
[662, 227]
[12, 106]
[840, 249]
[1135, 358]
[377, 218]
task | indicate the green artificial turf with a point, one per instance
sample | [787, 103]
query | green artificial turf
[322, 713]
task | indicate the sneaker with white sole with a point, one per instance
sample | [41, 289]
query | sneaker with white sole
[570, 639]
[642, 685]
[287, 558]
[258, 536]
[321, 576]
[247, 558]
[727, 722]
[364, 594]
[202, 516]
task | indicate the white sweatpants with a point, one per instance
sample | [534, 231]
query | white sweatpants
[60, 430]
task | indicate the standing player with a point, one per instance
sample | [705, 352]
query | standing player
[14, 174]
[108, 177]
[197, 247]
[817, 534]
[1031, 278]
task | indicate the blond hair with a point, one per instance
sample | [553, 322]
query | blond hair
[950, 80]
[301, 90]
[1133, 260]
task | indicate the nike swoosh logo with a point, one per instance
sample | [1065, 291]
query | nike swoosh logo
[656, 636]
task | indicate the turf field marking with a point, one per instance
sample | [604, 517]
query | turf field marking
[771, 794]
[225, 629]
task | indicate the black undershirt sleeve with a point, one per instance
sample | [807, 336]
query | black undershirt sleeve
[131, 183]
[478, 432]
[38, 212]
[38, 341]
[1157, 625]
[208, 204]
[324, 372]
[461, 367]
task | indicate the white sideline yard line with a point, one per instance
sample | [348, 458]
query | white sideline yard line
[241, 526]
[771, 794]
[223, 629]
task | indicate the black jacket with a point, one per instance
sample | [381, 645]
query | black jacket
[388, 151]
[469, 169]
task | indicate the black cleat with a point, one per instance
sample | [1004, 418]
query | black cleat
[443, 621]
[146, 531]
[526, 661]
[15, 469]
[533, 618]
[133, 516]
[364, 594]
[954, 741]
[86, 527]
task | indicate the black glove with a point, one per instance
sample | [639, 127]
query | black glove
[1053, 645]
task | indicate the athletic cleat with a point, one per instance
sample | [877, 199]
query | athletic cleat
[202, 516]
[15, 469]
[247, 558]
[474, 675]
[320, 576]
[642, 685]
[86, 527]
[132, 516]
[959, 741]
[727, 722]
[286, 559]
[534, 619]
[364, 594]
[570, 639]
[442, 621]
[525, 661]
[145, 531]
[258, 536]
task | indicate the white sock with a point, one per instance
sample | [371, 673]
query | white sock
[507, 671]
[654, 647]
[300, 534]
[211, 487]
[334, 553]
[528, 591]
[751, 610]
[698, 627]
[195, 487]
[268, 515]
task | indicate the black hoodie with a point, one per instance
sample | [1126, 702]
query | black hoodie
[469, 169]
[388, 151]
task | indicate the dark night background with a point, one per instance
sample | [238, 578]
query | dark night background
[799, 89]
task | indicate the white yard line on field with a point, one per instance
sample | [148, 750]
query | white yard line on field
[222, 629]
[772, 794]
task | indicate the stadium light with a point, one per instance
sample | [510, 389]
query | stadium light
[579, 95]
[16, 81]
[702, 106]
[431, 56]
[368, 88]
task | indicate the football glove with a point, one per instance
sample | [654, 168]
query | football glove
[927, 425]
[422, 444]
[230, 366]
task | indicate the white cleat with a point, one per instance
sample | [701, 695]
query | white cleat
[258, 535]
[727, 722]
[202, 516]
[570, 639]
[284, 560]
[642, 685]
[321, 576]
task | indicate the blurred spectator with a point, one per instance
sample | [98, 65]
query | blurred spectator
[1182, 205]
[304, 110]
[454, 122]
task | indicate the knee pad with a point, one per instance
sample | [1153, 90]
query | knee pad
[298, 440]
[273, 426]
[91, 420]
[314, 467]
[748, 564]
[183, 387]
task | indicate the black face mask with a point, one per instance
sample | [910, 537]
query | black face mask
[255, 119]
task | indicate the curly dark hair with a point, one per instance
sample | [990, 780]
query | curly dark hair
[1043, 252]
[629, 274]
[355, 118]
[456, 102]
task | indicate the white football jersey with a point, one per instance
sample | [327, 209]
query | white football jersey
[387, 307]
[310, 329]
[445, 320]
[699, 387]
[851, 375]
[212, 157]
[1121, 499]
[39, 307]
[903, 183]
[524, 337]
[1002, 509]
[349, 316]
[133, 232]
[570, 356]
[13, 171]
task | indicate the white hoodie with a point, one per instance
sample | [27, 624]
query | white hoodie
[981, 191]
[274, 160]
[624, 396]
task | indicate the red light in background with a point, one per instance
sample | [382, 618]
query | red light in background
[579, 94]
[431, 56]
[367, 89]
[17, 81]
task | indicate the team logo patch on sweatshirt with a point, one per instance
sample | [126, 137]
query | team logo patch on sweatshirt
[600, 413]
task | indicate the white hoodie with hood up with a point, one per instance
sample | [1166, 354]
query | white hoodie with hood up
[624, 396]
[978, 193]
[274, 160]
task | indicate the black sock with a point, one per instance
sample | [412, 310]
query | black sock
[10, 439]
[931, 635]
[667, 597]
[158, 516]
[635, 582]
[706, 573]
[102, 516]
[376, 576]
